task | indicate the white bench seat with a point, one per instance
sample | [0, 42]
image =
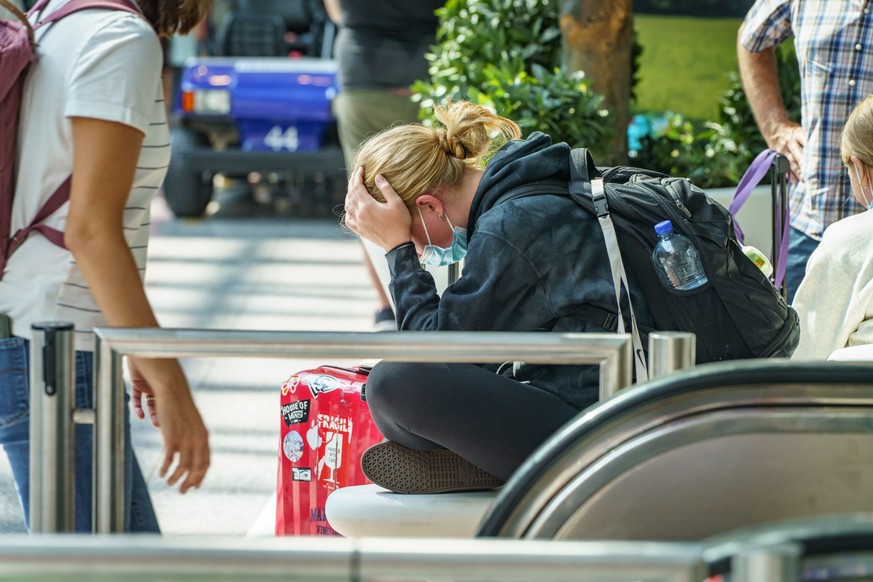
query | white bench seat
[371, 511]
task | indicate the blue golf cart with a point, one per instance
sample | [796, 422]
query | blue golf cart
[261, 105]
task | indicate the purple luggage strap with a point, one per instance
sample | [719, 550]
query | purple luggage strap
[62, 194]
[753, 176]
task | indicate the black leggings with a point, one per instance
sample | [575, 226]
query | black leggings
[491, 421]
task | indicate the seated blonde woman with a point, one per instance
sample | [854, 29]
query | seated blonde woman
[434, 196]
[835, 299]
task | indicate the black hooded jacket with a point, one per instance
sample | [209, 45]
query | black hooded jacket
[531, 263]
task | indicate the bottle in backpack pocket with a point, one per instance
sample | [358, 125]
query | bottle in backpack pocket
[676, 259]
[759, 259]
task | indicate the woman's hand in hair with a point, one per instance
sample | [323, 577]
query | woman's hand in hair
[385, 224]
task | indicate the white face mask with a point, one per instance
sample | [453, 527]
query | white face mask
[869, 204]
[434, 256]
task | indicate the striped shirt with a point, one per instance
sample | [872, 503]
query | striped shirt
[96, 64]
[834, 44]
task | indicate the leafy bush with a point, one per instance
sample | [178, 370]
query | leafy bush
[734, 110]
[505, 55]
[717, 153]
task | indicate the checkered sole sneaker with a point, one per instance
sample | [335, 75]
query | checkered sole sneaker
[404, 470]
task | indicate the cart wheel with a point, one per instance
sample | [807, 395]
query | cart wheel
[187, 191]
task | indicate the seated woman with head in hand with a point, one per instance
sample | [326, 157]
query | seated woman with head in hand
[835, 299]
[434, 196]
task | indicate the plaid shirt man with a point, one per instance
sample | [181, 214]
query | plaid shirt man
[834, 44]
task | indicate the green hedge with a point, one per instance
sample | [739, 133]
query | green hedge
[505, 55]
[716, 153]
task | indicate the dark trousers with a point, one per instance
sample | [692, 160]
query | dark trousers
[492, 421]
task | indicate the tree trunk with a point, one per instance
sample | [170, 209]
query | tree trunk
[598, 39]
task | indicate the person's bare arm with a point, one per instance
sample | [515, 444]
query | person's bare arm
[332, 7]
[761, 85]
[105, 155]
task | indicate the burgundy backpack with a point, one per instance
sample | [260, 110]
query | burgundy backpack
[17, 53]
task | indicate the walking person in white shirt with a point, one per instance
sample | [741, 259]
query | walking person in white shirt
[92, 108]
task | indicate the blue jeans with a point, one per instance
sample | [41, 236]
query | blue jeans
[800, 247]
[15, 439]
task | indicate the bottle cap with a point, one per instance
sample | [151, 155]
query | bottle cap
[663, 228]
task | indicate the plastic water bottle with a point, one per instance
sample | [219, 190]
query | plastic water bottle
[677, 258]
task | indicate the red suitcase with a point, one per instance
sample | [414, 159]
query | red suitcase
[325, 428]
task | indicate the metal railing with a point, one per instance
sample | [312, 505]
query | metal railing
[148, 558]
[152, 558]
[50, 496]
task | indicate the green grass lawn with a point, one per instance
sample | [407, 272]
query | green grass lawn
[685, 63]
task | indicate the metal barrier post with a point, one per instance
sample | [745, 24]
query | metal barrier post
[779, 193]
[670, 351]
[616, 372]
[777, 563]
[109, 449]
[52, 435]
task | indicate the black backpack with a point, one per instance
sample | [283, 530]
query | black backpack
[737, 314]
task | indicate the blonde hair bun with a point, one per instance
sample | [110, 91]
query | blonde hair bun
[417, 159]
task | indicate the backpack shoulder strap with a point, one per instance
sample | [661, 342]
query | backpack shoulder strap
[21, 16]
[584, 187]
[56, 237]
[55, 201]
[539, 187]
[582, 170]
[77, 5]
[619, 275]
[583, 164]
